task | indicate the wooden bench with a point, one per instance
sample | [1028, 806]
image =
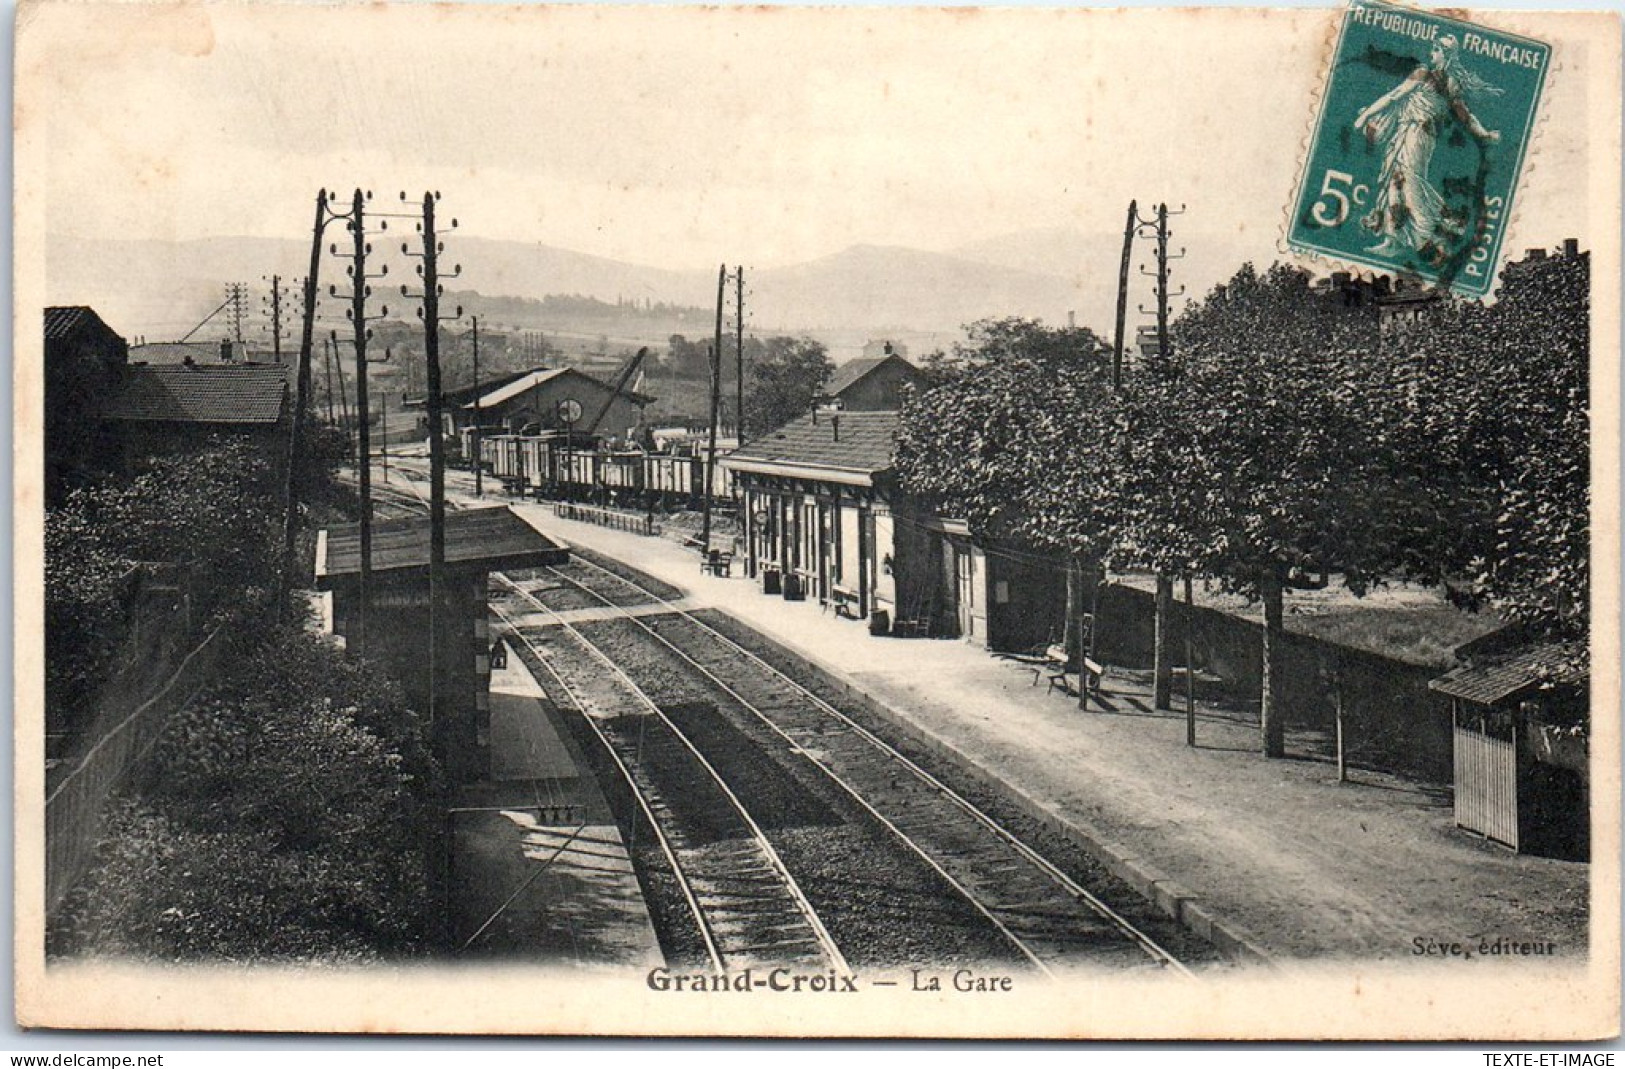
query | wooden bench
[717, 562]
[845, 601]
[1052, 665]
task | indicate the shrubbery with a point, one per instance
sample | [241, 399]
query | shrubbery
[282, 819]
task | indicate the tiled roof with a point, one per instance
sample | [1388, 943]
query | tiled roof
[223, 393]
[60, 322]
[1497, 679]
[176, 352]
[483, 537]
[851, 442]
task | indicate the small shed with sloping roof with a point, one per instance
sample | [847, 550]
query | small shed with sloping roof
[396, 629]
[1521, 727]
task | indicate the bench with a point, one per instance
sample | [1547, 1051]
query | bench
[844, 600]
[1052, 664]
[717, 562]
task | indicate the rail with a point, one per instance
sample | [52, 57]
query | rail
[802, 905]
[1070, 886]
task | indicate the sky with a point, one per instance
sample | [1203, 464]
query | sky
[680, 137]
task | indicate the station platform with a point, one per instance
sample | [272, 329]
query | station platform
[539, 871]
[1274, 861]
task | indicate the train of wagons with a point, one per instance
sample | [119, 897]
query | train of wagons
[561, 466]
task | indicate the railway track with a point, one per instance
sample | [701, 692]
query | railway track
[747, 908]
[1045, 916]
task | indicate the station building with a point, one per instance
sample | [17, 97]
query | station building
[825, 521]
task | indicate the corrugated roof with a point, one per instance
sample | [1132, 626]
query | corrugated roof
[223, 393]
[1499, 679]
[487, 537]
[860, 442]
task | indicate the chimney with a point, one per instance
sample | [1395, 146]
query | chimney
[1571, 248]
[225, 350]
[1071, 320]
[1534, 254]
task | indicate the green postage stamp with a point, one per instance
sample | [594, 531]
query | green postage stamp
[1422, 133]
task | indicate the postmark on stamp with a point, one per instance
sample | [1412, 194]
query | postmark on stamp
[1422, 133]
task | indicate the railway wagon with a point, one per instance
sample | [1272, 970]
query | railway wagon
[621, 473]
[501, 452]
[577, 470]
[535, 461]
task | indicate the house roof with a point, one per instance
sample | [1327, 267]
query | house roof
[221, 393]
[535, 378]
[846, 447]
[852, 372]
[176, 352]
[1498, 679]
[476, 539]
[65, 320]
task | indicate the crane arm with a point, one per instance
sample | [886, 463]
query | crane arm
[623, 377]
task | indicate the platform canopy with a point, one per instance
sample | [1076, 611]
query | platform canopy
[483, 539]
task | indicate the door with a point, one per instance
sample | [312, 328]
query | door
[1487, 784]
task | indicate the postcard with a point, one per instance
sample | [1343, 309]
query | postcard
[817, 521]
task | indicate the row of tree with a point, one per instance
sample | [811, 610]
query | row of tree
[1289, 435]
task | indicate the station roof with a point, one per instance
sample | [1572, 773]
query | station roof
[483, 539]
[180, 393]
[843, 447]
[1498, 679]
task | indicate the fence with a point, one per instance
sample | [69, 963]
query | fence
[620, 521]
[128, 721]
[1392, 722]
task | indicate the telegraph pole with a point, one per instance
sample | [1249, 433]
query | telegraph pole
[1122, 292]
[1162, 675]
[739, 352]
[474, 439]
[301, 394]
[237, 296]
[357, 313]
[276, 318]
[715, 361]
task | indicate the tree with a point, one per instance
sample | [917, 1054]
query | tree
[1018, 437]
[1277, 382]
[785, 374]
[1498, 415]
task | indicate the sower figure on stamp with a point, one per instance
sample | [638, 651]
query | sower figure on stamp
[1408, 212]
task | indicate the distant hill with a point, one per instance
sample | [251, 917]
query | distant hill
[161, 289]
